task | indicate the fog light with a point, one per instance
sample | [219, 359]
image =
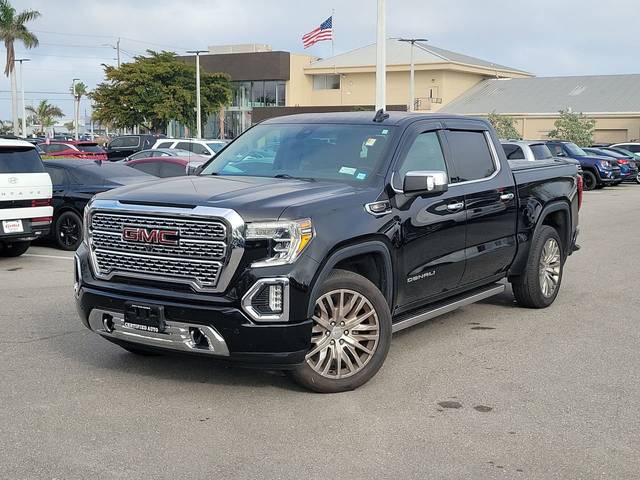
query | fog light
[275, 298]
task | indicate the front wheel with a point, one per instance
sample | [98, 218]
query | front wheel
[590, 180]
[68, 231]
[14, 249]
[638, 178]
[351, 335]
[538, 286]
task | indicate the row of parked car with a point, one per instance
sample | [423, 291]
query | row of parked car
[602, 165]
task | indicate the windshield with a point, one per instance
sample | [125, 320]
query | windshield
[575, 150]
[20, 160]
[216, 147]
[344, 153]
[541, 151]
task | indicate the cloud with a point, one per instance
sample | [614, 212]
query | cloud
[546, 37]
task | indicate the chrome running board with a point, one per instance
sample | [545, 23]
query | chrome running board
[449, 306]
[180, 336]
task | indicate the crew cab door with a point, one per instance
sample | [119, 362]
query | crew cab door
[432, 235]
[485, 180]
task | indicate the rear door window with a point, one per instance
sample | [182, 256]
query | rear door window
[513, 152]
[20, 160]
[541, 152]
[165, 145]
[471, 155]
[57, 175]
[185, 146]
[152, 168]
[200, 149]
[169, 169]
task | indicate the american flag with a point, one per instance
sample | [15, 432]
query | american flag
[323, 32]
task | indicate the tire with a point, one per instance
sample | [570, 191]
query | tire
[67, 231]
[546, 253]
[14, 249]
[340, 360]
[638, 178]
[589, 179]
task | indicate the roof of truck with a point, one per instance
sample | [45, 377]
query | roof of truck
[364, 118]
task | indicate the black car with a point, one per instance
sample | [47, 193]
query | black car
[75, 182]
[126, 145]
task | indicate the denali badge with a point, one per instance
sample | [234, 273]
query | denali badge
[151, 235]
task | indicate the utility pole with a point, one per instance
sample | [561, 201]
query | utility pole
[412, 76]
[381, 57]
[198, 110]
[118, 51]
[75, 107]
[24, 111]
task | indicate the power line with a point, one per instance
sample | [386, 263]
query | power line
[47, 44]
[64, 56]
[111, 37]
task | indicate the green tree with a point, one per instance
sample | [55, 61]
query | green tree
[70, 126]
[504, 125]
[574, 127]
[44, 115]
[13, 28]
[155, 89]
[78, 90]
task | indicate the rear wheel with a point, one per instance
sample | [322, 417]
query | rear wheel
[538, 286]
[638, 178]
[590, 180]
[68, 231]
[14, 249]
[351, 335]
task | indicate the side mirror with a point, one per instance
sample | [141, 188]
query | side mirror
[429, 183]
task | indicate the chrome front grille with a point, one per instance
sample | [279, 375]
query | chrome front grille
[199, 257]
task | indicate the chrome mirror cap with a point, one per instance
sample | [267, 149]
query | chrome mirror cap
[425, 182]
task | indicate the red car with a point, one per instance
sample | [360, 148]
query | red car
[164, 167]
[73, 149]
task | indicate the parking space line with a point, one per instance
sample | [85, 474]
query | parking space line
[47, 256]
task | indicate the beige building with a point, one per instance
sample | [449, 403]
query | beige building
[613, 101]
[349, 79]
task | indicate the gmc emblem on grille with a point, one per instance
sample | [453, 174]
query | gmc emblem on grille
[151, 235]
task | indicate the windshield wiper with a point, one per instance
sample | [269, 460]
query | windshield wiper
[291, 177]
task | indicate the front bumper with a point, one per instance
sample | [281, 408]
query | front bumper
[230, 334]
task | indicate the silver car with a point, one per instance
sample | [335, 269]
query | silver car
[532, 150]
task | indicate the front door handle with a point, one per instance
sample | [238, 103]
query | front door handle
[505, 197]
[454, 207]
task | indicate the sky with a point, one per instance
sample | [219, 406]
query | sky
[546, 37]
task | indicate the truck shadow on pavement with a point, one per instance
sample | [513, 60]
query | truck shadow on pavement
[102, 357]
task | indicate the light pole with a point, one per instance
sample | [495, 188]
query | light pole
[381, 57]
[198, 111]
[75, 108]
[412, 76]
[24, 112]
[116, 47]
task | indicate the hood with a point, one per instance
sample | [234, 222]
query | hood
[254, 198]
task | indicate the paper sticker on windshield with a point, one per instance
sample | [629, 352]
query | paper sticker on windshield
[370, 142]
[385, 131]
[361, 176]
[347, 170]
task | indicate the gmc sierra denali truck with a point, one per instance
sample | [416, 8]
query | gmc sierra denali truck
[309, 239]
[25, 197]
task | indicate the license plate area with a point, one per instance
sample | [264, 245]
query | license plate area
[148, 318]
[13, 226]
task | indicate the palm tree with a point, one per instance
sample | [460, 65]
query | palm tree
[12, 29]
[45, 114]
[77, 90]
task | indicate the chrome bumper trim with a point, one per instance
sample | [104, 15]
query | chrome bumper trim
[176, 336]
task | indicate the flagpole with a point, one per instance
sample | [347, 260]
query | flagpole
[333, 26]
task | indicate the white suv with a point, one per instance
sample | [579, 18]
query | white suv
[207, 148]
[25, 197]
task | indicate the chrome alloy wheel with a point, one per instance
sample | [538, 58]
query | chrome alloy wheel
[550, 267]
[345, 334]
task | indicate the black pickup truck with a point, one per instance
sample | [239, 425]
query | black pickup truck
[310, 239]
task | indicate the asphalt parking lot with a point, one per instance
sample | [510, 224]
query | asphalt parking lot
[489, 391]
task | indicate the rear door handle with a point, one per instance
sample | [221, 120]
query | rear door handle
[505, 197]
[454, 207]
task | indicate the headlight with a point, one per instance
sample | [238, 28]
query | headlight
[605, 164]
[290, 238]
[85, 223]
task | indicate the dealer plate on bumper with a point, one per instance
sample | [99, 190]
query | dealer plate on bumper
[147, 318]
[12, 226]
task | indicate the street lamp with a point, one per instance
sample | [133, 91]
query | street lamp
[24, 112]
[75, 109]
[116, 47]
[198, 112]
[412, 97]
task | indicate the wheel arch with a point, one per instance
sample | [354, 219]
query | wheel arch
[357, 258]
